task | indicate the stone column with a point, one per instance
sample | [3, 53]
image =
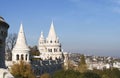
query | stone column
[3, 34]
[4, 73]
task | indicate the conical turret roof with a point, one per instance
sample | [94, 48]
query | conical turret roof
[21, 40]
[42, 36]
[52, 34]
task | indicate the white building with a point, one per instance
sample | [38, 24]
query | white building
[50, 52]
[50, 48]
[20, 50]
[116, 65]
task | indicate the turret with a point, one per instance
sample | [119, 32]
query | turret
[20, 50]
[41, 40]
[21, 40]
[41, 43]
[52, 37]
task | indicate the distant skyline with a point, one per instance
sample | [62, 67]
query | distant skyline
[84, 26]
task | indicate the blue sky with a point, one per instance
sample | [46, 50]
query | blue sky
[85, 26]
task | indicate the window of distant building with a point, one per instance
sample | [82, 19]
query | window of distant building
[50, 41]
[60, 50]
[49, 50]
[26, 57]
[17, 57]
[55, 50]
[50, 58]
[22, 58]
[56, 58]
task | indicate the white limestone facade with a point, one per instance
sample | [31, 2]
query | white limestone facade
[20, 50]
[50, 48]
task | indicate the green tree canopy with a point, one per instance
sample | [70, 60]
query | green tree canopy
[66, 74]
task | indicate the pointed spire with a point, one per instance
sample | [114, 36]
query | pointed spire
[52, 34]
[42, 36]
[21, 40]
[21, 29]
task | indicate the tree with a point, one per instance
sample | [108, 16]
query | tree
[34, 51]
[82, 67]
[10, 42]
[45, 75]
[70, 65]
[22, 70]
[90, 75]
[59, 74]
[66, 74]
[108, 73]
[82, 60]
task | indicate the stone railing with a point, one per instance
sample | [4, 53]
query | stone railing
[46, 66]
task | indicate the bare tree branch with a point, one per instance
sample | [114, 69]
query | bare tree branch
[10, 41]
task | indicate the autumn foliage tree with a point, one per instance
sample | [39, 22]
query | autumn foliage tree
[45, 75]
[82, 67]
[22, 70]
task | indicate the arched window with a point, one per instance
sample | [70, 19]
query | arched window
[55, 50]
[17, 57]
[49, 50]
[56, 58]
[51, 41]
[26, 57]
[60, 50]
[50, 58]
[22, 57]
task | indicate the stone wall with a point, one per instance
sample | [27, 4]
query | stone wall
[46, 66]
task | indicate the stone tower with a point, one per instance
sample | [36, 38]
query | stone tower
[3, 34]
[20, 50]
